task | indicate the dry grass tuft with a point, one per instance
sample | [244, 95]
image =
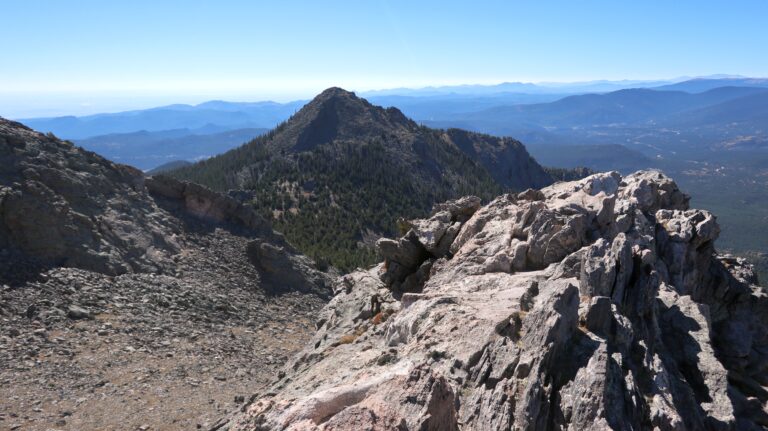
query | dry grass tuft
[347, 339]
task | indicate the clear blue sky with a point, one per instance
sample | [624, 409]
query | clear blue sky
[96, 55]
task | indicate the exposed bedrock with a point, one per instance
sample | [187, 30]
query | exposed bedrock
[597, 304]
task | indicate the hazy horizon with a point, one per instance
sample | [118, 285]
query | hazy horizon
[90, 56]
[77, 104]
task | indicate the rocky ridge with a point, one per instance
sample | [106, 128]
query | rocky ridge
[595, 304]
[62, 206]
[122, 294]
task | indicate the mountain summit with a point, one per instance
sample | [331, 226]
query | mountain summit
[340, 171]
[339, 114]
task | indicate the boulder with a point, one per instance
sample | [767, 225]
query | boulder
[283, 269]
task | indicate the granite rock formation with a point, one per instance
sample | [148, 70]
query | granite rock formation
[595, 304]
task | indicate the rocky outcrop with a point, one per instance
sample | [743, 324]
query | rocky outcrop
[283, 269]
[115, 288]
[596, 304]
[207, 204]
[409, 259]
[61, 206]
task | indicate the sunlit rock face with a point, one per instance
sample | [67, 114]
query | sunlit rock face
[597, 304]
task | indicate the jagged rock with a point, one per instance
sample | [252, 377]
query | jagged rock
[429, 232]
[599, 318]
[606, 268]
[402, 257]
[595, 304]
[652, 190]
[63, 206]
[460, 209]
[407, 261]
[531, 195]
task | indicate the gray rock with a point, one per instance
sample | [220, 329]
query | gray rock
[206, 204]
[401, 257]
[460, 209]
[64, 206]
[595, 304]
[77, 312]
[429, 232]
[284, 269]
[599, 317]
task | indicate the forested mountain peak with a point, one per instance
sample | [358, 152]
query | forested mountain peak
[337, 114]
[340, 171]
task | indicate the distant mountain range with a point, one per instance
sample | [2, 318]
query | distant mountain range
[430, 104]
[703, 84]
[623, 107]
[521, 88]
[657, 116]
[205, 118]
[146, 150]
[569, 88]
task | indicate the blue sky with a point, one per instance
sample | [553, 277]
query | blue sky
[80, 56]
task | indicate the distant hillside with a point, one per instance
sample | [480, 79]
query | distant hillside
[625, 107]
[147, 150]
[669, 125]
[704, 84]
[205, 118]
[611, 157]
[340, 172]
[750, 110]
[519, 88]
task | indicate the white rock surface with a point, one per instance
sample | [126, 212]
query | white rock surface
[597, 304]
